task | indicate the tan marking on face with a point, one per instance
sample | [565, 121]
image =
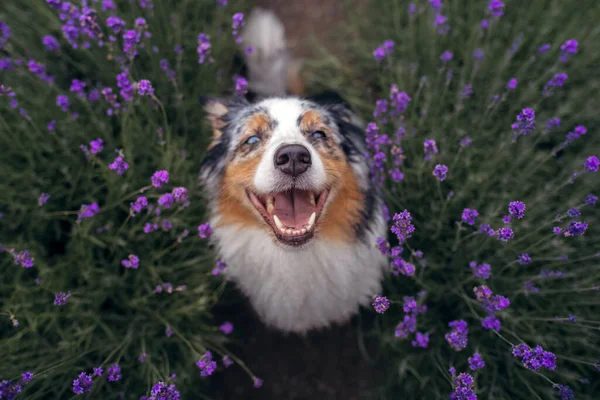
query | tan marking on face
[344, 209]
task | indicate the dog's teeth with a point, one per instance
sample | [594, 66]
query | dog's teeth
[296, 233]
[311, 221]
[303, 231]
[289, 231]
[311, 198]
[278, 223]
[282, 231]
[270, 204]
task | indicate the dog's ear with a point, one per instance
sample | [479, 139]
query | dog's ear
[217, 111]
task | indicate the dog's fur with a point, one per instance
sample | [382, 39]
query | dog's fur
[323, 280]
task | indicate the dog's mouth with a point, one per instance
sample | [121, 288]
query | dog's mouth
[293, 214]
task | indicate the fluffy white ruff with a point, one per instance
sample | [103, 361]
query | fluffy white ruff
[299, 289]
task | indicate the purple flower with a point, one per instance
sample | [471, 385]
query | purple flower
[476, 362]
[169, 332]
[551, 124]
[536, 358]
[469, 216]
[204, 230]
[591, 164]
[440, 171]
[23, 259]
[399, 101]
[108, 5]
[573, 212]
[166, 225]
[43, 199]
[441, 22]
[466, 92]
[576, 228]
[591, 200]
[87, 211]
[567, 49]
[490, 302]
[544, 48]
[150, 227]
[159, 178]
[512, 84]
[144, 88]
[446, 56]
[491, 322]
[403, 226]
[221, 3]
[96, 146]
[180, 194]
[132, 261]
[114, 373]
[557, 81]
[115, 23]
[166, 200]
[63, 102]
[119, 165]
[203, 48]
[463, 387]
[219, 268]
[465, 142]
[457, 337]
[238, 22]
[78, 87]
[429, 147]
[227, 361]
[516, 209]
[131, 38]
[383, 246]
[50, 43]
[142, 357]
[381, 107]
[206, 364]
[396, 175]
[421, 340]
[380, 304]
[564, 391]
[478, 54]
[226, 328]
[525, 123]
[127, 90]
[524, 259]
[241, 86]
[60, 299]
[496, 8]
[83, 383]
[257, 382]
[399, 266]
[530, 288]
[162, 391]
[482, 271]
[484, 24]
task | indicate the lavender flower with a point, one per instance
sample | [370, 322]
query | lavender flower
[206, 364]
[491, 322]
[23, 259]
[119, 165]
[573, 212]
[557, 81]
[591, 164]
[381, 108]
[204, 230]
[512, 84]
[142, 357]
[127, 90]
[478, 54]
[567, 49]
[203, 48]
[87, 211]
[525, 123]
[544, 48]
[380, 304]
[421, 340]
[465, 142]
[403, 226]
[169, 332]
[166, 200]
[524, 259]
[50, 43]
[430, 147]
[220, 268]
[60, 299]
[530, 288]
[476, 362]
[441, 23]
[467, 92]
[490, 303]
[482, 271]
[114, 373]
[484, 24]
[591, 200]
[63, 102]
[399, 101]
[384, 50]
[83, 383]
[516, 209]
[440, 171]
[226, 328]
[115, 23]
[496, 8]
[159, 178]
[257, 382]
[564, 391]
[463, 387]
[457, 337]
[241, 86]
[132, 261]
[238, 22]
[131, 38]
[144, 88]
[536, 358]
[221, 3]
[162, 391]
[227, 361]
[446, 56]
[43, 199]
[399, 266]
[576, 228]
[469, 216]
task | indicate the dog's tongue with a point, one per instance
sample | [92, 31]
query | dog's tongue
[294, 208]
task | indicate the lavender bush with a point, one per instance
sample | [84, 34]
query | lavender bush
[482, 131]
[106, 281]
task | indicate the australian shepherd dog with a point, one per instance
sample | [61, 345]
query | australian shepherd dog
[294, 214]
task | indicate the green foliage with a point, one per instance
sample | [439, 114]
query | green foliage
[486, 176]
[113, 314]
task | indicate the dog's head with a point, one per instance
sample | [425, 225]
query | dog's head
[293, 167]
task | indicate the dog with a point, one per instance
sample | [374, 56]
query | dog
[294, 214]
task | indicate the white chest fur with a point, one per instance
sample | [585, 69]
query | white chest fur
[300, 289]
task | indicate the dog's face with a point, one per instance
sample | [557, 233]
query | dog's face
[289, 166]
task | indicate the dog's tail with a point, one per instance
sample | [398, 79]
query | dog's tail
[271, 70]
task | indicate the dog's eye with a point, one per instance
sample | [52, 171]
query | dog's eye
[252, 140]
[318, 135]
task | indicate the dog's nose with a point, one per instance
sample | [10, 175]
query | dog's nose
[293, 159]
